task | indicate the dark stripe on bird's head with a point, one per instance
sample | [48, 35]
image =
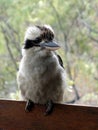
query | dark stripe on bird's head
[31, 43]
[49, 45]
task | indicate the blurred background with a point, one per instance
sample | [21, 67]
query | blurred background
[75, 23]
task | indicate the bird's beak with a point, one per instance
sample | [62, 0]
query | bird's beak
[50, 46]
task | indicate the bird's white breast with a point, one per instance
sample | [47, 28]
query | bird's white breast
[40, 76]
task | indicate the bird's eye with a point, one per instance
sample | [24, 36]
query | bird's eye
[37, 40]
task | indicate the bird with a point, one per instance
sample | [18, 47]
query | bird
[41, 77]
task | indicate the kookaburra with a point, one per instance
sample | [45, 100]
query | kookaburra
[41, 76]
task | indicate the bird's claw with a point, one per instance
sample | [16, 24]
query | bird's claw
[49, 107]
[29, 106]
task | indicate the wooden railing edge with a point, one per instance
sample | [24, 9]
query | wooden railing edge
[64, 117]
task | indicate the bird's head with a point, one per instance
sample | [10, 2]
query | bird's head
[40, 36]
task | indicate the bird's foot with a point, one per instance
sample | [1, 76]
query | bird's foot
[29, 106]
[49, 107]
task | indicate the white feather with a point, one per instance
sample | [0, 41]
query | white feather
[49, 27]
[32, 33]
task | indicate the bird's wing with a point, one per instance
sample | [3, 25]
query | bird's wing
[60, 60]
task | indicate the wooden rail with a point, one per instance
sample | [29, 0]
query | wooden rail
[64, 117]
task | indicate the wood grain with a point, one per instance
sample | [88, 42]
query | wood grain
[64, 117]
